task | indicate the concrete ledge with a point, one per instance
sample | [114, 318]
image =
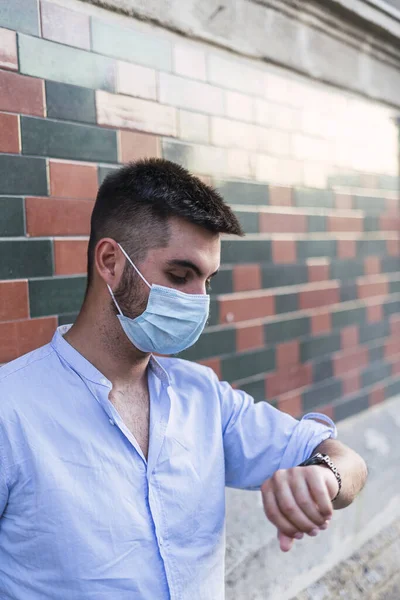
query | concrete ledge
[255, 567]
[300, 35]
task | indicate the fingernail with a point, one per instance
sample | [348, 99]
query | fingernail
[298, 536]
[324, 526]
[314, 532]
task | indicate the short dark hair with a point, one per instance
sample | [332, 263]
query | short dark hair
[134, 203]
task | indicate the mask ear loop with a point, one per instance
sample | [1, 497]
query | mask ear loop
[133, 265]
[115, 302]
[137, 271]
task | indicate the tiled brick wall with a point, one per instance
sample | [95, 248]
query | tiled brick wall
[306, 309]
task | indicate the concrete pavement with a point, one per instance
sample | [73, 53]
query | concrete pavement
[372, 573]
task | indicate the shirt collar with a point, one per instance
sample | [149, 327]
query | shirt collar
[82, 366]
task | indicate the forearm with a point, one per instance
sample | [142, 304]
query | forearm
[351, 467]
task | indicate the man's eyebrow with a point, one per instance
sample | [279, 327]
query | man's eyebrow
[188, 264]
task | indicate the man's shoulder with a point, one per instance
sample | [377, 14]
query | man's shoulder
[179, 370]
[19, 371]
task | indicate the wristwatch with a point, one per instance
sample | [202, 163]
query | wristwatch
[324, 460]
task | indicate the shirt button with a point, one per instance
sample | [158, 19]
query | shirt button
[112, 422]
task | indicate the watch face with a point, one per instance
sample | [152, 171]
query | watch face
[315, 460]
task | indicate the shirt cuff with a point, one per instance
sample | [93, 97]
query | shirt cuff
[308, 434]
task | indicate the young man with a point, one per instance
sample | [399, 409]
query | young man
[113, 463]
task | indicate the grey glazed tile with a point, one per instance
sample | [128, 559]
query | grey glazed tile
[23, 175]
[67, 319]
[346, 269]
[344, 318]
[319, 346]
[374, 331]
[56, 296]
[316, 223]
[255, 389]
[391, 308]
[252, 363]
[316, 248]
[371, 223]
[389, 182]
[104, 171]
[390, 264]
[367, 247]
[243, 192]
[345, 180]
[394, 287]
[43, 137]
[248, 221]
[392, 389]
[350, 407]
[131, 45]
[348, 291]
[322, 370]
[20, 15]
[376, 354]
[304, 197]
[70, 102]
[245, 251]
[12, 217]
[213, 317]
[41, 58]
[223, 282]
[283, 331]
[283, 275]
[369, 203]
[285, 303]
[322, 394]
[214, 343]
[25, 258]
[177, 153]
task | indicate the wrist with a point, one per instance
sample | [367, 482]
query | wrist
[332, 482]
[325, 461]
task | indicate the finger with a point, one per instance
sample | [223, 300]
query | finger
[305, 500]
[292, 512]
[274, 514]
[285, 542]
[319, 491]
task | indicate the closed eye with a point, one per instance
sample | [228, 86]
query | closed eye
[178, 280]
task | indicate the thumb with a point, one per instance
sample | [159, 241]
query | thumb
[285, 542]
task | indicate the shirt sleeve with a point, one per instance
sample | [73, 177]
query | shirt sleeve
[3, 494]
[259, 439]
[4, 490]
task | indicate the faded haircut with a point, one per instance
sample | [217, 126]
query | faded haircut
[134, 204]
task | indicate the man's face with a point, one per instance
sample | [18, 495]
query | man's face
[188, 264]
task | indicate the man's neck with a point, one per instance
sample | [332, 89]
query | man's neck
[104, 344]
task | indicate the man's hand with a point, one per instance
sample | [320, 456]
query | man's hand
[298, 501]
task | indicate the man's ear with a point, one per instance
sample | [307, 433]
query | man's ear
[109, 262]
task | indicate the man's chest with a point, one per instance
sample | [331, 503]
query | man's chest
[133, 405]
[83, 486]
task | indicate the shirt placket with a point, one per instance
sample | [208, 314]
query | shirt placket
[159, 417]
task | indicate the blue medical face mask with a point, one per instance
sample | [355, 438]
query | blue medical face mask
[172, 321]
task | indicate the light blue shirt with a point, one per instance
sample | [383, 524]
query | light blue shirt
[83, 515]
